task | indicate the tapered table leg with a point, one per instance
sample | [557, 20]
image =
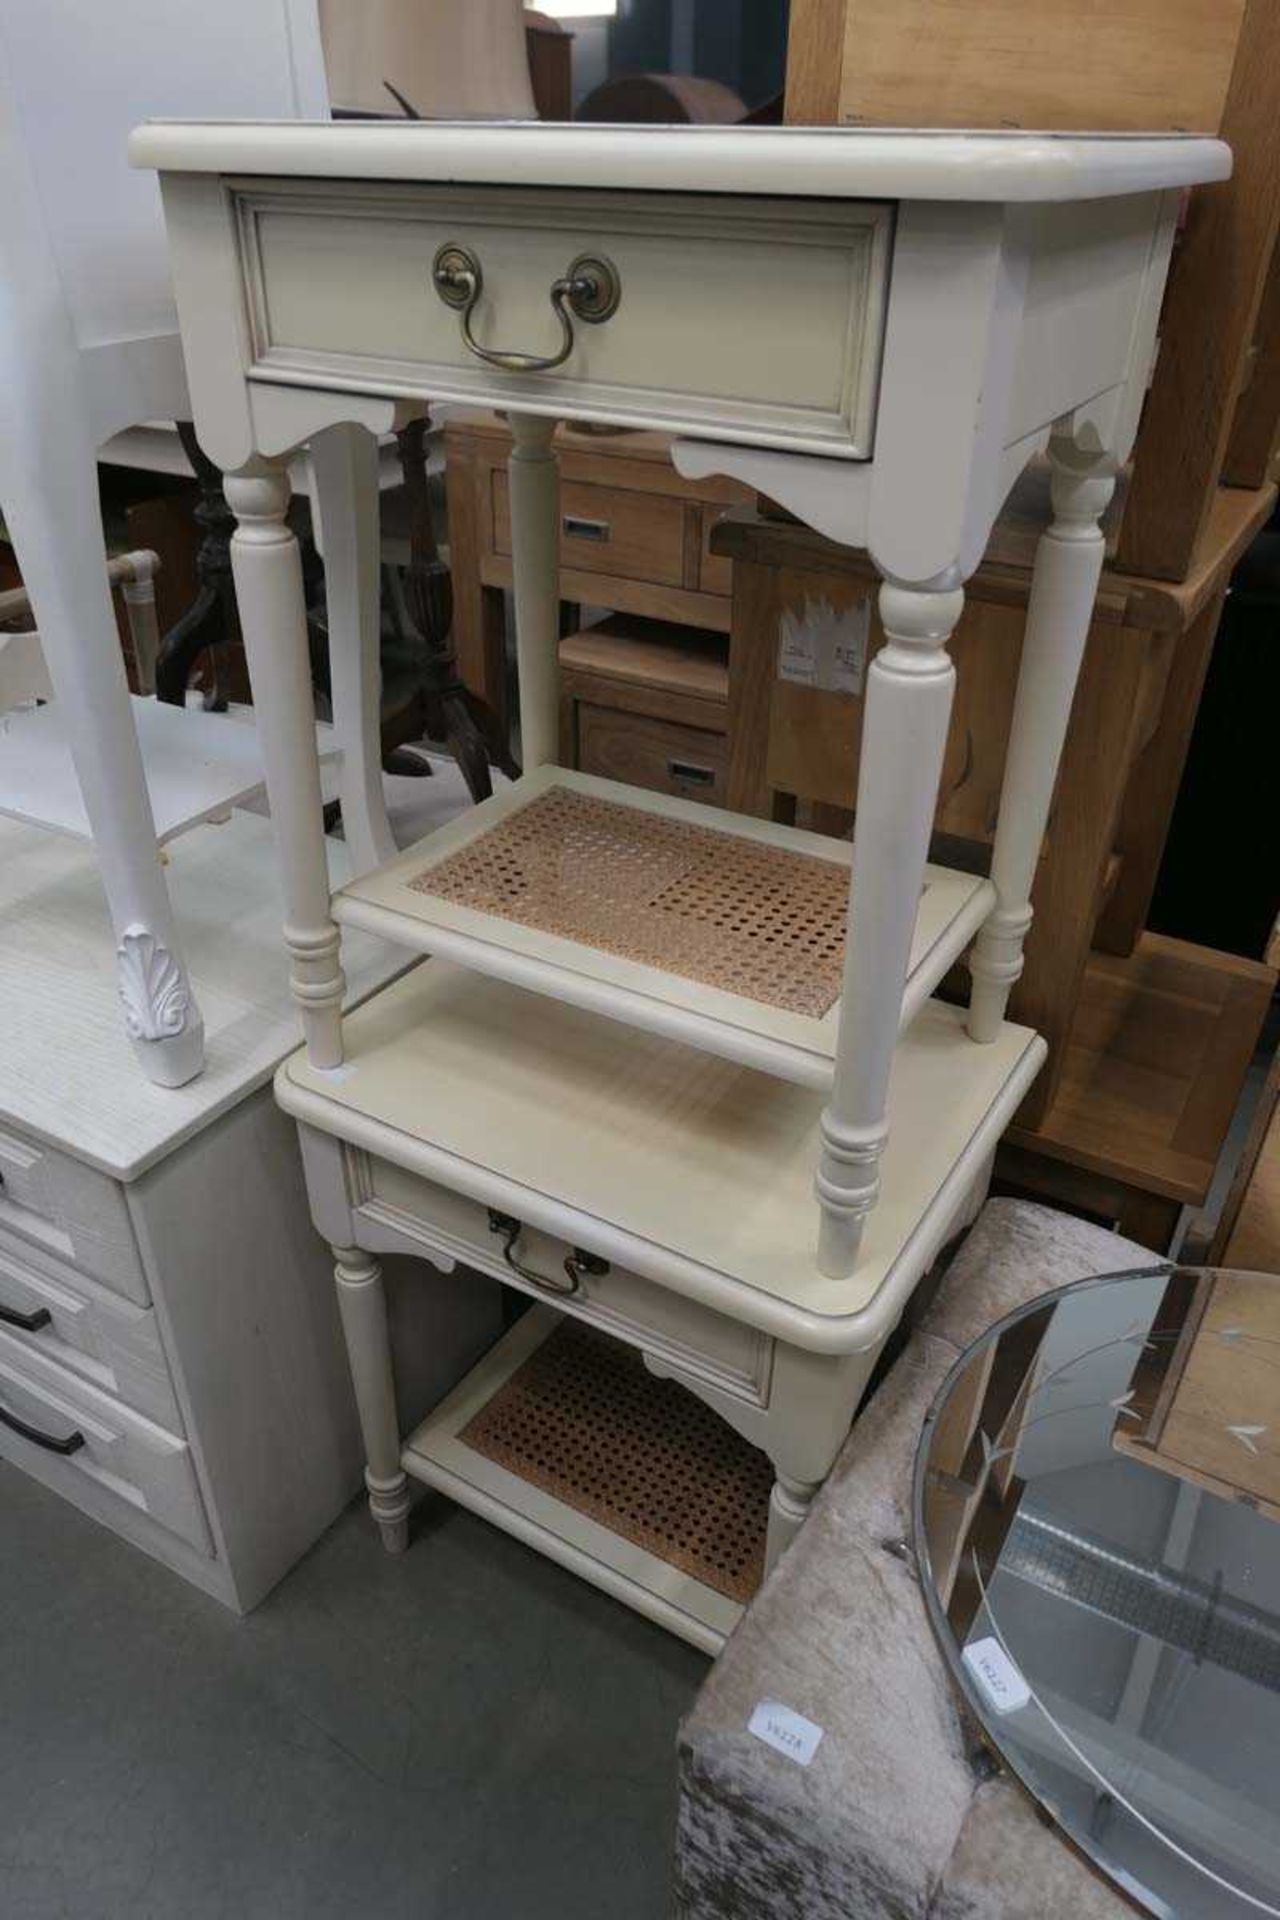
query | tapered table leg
[363, 1306]
[273, 620]
[533, 473]
[1064, 586]
[904, 733]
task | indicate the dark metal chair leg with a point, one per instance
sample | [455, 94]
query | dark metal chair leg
[211, 618]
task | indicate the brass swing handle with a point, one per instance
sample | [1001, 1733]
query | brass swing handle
[590, 291]
[576, 1264]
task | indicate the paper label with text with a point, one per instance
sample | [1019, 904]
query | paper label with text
[785, 1730]
[997, 1676]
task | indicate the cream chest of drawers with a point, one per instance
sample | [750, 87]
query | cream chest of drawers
[166, 1321]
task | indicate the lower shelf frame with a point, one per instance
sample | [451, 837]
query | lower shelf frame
[435, 1455]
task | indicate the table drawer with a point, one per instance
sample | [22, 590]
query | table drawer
[736, 1358]
[341, 293]
[71, 1211]
[130, 1457]
[109, 1342]
[610, 530]
[659, 754]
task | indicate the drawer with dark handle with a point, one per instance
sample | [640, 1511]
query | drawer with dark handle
[683, 1334]
[91, 1436]
[51, 1443]
[615, 530]
[88, 1329]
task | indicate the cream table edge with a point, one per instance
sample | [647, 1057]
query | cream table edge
[834, 1334]
[849, 163]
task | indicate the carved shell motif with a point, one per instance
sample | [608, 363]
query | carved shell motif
[153, 987]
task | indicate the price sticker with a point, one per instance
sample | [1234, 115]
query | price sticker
[996, 1674]
[786, 1731]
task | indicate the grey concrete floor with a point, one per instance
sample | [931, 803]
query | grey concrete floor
[467, 1733]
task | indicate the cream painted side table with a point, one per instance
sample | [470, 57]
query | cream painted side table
[640, 1039]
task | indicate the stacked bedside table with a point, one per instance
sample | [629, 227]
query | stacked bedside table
[645, 1031]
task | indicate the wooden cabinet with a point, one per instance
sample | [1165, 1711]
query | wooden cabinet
[1213, 412]
[644, 695]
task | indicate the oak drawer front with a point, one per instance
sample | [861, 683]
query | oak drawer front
[341, 294]
[635, 536]
[108, 1342]
[659, 754]
[686, 1335]
[71, 1211]
[133, 1458]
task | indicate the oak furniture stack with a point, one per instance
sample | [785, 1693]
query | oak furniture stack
[1149, 1039]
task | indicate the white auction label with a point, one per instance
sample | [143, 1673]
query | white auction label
[996, 1674]
[786, 1730]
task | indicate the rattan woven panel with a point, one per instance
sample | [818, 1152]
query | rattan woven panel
[584, 1420]
[707, 905]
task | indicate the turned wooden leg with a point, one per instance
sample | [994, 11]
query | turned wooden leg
[362, 1303]
[904, 733]
[273, 620]
[1063, 588]
[533, 477]
[812, 1401]
[344, 466]
[788, 1505]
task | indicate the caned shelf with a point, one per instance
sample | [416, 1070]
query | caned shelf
[624, 1560]
[718, 930]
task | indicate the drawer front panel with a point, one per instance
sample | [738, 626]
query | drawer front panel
[609, 530]
[340, 293]
[108, 1342]
[70, 1211]
[728, 1355]
[658, 754]
[130, 1457]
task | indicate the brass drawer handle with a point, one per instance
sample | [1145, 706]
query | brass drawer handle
[576, 1264]
[590, 290]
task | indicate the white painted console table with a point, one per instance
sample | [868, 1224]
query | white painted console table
[876, 329]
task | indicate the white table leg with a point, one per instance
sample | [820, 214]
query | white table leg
[1064, 586]
[344, 464]
[812, 1401]
[363, 1306]
[268, 577]
[904, 733]
[51, 504]
[534, 482]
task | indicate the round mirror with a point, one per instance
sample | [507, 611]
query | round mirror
[1097, 1500]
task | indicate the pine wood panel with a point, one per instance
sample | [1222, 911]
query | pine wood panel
[814, 39]
[1158, 1051]
[1210, 318]
[1251, 450]
[1254, 1239]
[1135, 64]
[650, 656]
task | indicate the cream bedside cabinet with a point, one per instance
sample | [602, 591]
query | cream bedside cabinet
[645, 1037]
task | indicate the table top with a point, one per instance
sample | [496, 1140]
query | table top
[832, 162]
[1096, 1523]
